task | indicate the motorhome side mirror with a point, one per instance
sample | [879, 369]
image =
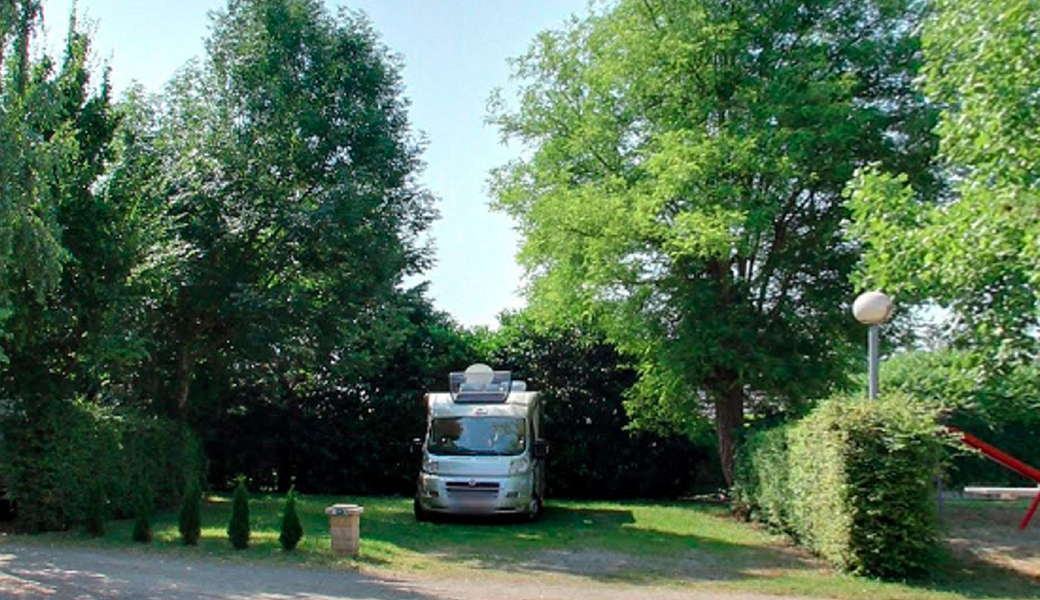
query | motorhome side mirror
[540, 449]
[417, 444]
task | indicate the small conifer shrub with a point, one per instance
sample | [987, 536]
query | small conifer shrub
[96, 510]
[238, 529]
[190, 519]
[292, 531]
[143, 516]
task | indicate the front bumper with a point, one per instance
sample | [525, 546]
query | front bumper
[453, 494]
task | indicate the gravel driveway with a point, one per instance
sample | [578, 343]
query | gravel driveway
[29, 571]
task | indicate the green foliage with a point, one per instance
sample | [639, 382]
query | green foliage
[344, 436]
[292, 530]
[852, 481]
[290, 176]
[97, 509]
[143, 510]
[189, 520]
[54, 454]
[238, 528]
[685, 187]
[583, 380]
[762, 478]
[1001, 406]
[973, 249]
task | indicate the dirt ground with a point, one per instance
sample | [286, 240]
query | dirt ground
[988, 532]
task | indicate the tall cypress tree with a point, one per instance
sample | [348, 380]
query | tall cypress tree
[292, 530]
[190, 520]
[238, 529]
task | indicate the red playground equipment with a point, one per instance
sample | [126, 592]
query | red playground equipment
[1007, 461]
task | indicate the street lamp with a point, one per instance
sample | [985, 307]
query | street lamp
[873, 309]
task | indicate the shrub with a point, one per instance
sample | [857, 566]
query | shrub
[190, 519]
[143, 516]
[761, 478]
[96, 510]
[852, 481]
[999, 405]
[54, 452]
[292, 531]
[238, 529]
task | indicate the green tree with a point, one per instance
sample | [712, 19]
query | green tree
[190, 517]
[292, 530]
[30, 250]
[238, 528]
[975, 249]
[583, 380]
[684, 187]
[290, 173]
[59, 247]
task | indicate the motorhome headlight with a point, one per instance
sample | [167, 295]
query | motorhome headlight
[519, 465]
[431, 466]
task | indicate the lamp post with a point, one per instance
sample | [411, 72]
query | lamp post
[873, 309]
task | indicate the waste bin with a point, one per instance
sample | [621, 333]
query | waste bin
[345, 527]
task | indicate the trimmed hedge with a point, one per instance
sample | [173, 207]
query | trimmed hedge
[52, 453]
[852, 481]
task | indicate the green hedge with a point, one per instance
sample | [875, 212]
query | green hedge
[852, 481]
[51, 452]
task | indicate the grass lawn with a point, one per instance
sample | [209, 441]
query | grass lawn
[634, 543]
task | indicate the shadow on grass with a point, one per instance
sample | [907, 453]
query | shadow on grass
[975, 578]
[609, 545]
[603, 544]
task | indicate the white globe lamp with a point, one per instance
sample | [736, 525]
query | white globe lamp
[873, 309]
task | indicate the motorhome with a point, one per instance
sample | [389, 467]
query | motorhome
[483, 452]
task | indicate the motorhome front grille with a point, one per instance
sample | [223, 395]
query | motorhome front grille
[472, 487]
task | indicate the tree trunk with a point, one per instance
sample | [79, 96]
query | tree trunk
[729, 420]
[184, 368]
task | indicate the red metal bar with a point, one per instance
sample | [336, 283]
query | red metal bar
[1029, 514]
[999, 456]
[1007, 461]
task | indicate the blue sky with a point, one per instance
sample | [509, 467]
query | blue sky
[454, 52]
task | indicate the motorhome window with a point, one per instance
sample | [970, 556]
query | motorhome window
[478, 436]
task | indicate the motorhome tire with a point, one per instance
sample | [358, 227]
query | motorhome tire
[534, 512]
[421, 514]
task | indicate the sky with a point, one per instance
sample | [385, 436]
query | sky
[454, 54]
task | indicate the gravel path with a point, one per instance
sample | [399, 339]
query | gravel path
[29, 571]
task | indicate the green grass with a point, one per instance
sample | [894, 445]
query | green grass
[633, 543]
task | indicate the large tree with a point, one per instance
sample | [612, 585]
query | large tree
[976, 249]
[290, 173]
[684, 183]
[66, 246]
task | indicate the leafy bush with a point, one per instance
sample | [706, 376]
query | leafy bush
[292, 530]
[238, 529]
[190, 519]
[762, 477]
[999, 405]
[852, 481]
[53, 452]
[143, 516]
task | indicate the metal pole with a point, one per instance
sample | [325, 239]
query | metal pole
[873, 350]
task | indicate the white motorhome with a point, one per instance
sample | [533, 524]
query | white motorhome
[483, 452]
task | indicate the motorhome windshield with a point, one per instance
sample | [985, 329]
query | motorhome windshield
[477, 436]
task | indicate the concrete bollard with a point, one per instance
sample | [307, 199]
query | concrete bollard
[345, 527]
